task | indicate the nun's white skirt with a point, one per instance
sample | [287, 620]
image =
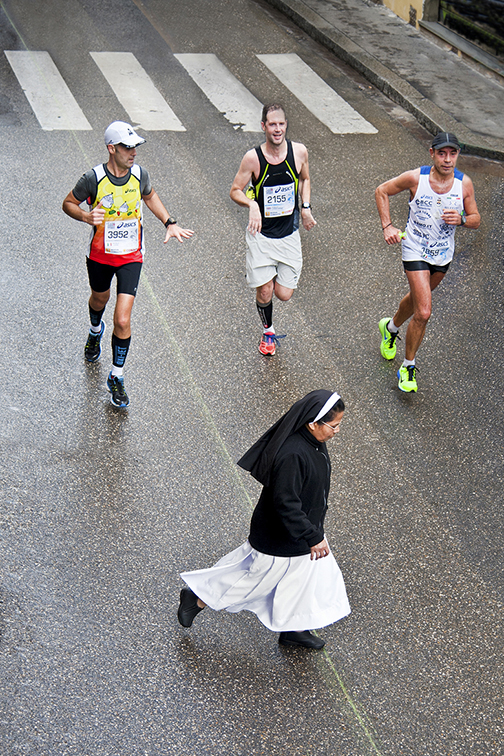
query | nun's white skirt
[286, 593]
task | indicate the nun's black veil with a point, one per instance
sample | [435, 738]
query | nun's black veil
[258, 460]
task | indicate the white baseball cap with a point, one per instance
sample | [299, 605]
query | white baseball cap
[120, 132]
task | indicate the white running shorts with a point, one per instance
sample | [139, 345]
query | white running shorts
[269, 258]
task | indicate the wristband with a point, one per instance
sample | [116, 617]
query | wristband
[388, 224]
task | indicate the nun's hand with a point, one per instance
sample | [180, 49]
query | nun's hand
[320, 550]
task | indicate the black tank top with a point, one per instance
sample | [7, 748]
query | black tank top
[276, 193]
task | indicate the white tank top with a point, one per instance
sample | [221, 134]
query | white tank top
[428, 237]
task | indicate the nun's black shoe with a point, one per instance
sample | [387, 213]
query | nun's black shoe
[188, 608]
[304, 638]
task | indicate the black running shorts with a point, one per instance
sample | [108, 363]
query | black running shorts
[100, 276]
[412, 265]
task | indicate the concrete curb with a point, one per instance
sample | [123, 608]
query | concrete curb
[429, 115]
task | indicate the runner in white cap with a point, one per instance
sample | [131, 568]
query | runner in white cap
[114, 192]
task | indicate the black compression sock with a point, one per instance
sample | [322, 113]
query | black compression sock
[265, 313]
[119, 350]
[95, 316]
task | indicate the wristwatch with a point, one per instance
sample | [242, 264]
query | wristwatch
[170, 222]
[306, 206]
[462, 219]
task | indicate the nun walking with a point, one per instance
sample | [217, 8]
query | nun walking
[285, 572]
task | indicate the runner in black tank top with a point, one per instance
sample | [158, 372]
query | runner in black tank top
[270, 181]
[276, 193]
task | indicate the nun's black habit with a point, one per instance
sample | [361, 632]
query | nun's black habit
[272, 574]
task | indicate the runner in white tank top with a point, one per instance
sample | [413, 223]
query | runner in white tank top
[441, 198]
[428, 236]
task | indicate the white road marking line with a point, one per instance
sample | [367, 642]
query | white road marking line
[224, 91]
[51, 100]
[316, 95]
[136, 92]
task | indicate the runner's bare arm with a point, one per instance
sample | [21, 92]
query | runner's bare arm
[301, 158]
[473, 218]
[156, 207]
[249, 167]
[408, 180]
[72, 207]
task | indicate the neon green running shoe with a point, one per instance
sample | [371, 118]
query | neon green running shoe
[407, 378]
[388, 346]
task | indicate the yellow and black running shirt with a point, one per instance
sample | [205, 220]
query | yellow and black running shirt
[276, 193]
[119, 239]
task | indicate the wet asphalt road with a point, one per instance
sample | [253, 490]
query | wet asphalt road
[102, 509]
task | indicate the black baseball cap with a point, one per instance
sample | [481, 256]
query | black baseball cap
[444, 139]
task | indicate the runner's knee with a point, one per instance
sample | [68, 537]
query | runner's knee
[264, 293]
[282, 293]
[122, 321]
[422, 313]
[99, 299]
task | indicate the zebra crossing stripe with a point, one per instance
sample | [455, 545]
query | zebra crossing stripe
[55, 107]
[316, 95]
[51, 100]
[225, 92]
[136, 92]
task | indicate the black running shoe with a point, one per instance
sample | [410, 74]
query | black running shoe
[92, 350]
[118, 395]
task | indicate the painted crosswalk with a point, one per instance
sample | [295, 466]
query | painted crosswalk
[49, 96]
[136, 92]
[56, 108]
[224, 91]
[316, 94]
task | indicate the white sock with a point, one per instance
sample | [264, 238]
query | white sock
[407, 363]
[269, 329]
[117, 371]
[95, 329]
[391, 327]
